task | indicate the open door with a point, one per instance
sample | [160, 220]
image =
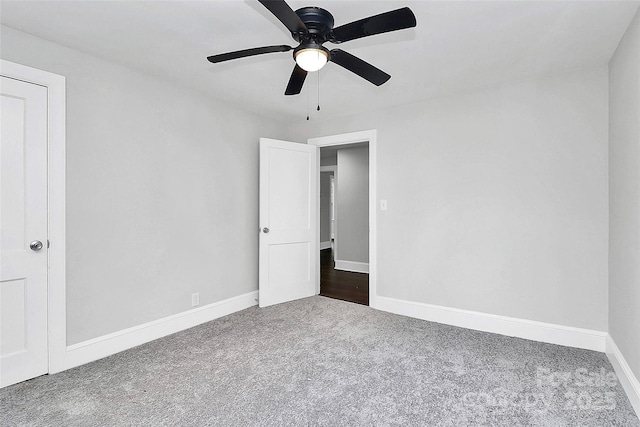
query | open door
[23, 231]
[289, 232]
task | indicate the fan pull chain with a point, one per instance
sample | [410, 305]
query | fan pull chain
[307, 104]
[318, 90]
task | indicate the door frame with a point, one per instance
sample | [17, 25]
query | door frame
[369, 136]
[333, 170]
[56, 204]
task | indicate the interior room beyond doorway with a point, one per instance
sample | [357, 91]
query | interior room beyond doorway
[344, 222]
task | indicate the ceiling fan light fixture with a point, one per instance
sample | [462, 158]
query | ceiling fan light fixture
[311, 58]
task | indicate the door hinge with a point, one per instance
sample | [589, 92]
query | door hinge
[48, 243]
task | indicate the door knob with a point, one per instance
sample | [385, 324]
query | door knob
[36, 245]
[265, 230]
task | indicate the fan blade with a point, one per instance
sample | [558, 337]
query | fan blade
[285, 14]
[390, 21]
[359, 67]
[296, 81]
[248, 52]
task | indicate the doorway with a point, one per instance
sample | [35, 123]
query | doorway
[354, 278]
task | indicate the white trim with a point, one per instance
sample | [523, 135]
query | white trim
[334, 223]
[333, 170]
[353, 266]
[97, 348]
[56, 107]
[343, 138]
[370, 136]
[329, 169]
[503, 325]
[627, 379]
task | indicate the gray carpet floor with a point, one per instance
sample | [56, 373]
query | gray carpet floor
[320, 361]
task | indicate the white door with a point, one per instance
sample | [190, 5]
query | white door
[289, 232]
[23, 223]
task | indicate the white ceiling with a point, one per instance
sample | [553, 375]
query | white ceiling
[456, 46]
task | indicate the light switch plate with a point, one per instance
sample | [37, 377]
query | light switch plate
[383, 205]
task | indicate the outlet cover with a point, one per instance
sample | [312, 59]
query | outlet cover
[195, 299]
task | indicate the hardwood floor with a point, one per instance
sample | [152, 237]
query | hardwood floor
[343, 285]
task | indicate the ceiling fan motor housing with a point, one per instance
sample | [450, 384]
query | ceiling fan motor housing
[319, 23]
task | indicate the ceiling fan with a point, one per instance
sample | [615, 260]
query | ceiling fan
[313, 26]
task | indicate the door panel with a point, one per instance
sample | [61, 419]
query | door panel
[288, 209]
[289, 189]
[23, 219]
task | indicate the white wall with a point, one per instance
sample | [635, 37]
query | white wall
[624, 208]
[352, 205]
[497, 199]
[162, 192]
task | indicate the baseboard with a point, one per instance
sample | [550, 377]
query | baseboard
[325, 245]
[356, 267]
[503, 325]
[627, 379]
[97, 348]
